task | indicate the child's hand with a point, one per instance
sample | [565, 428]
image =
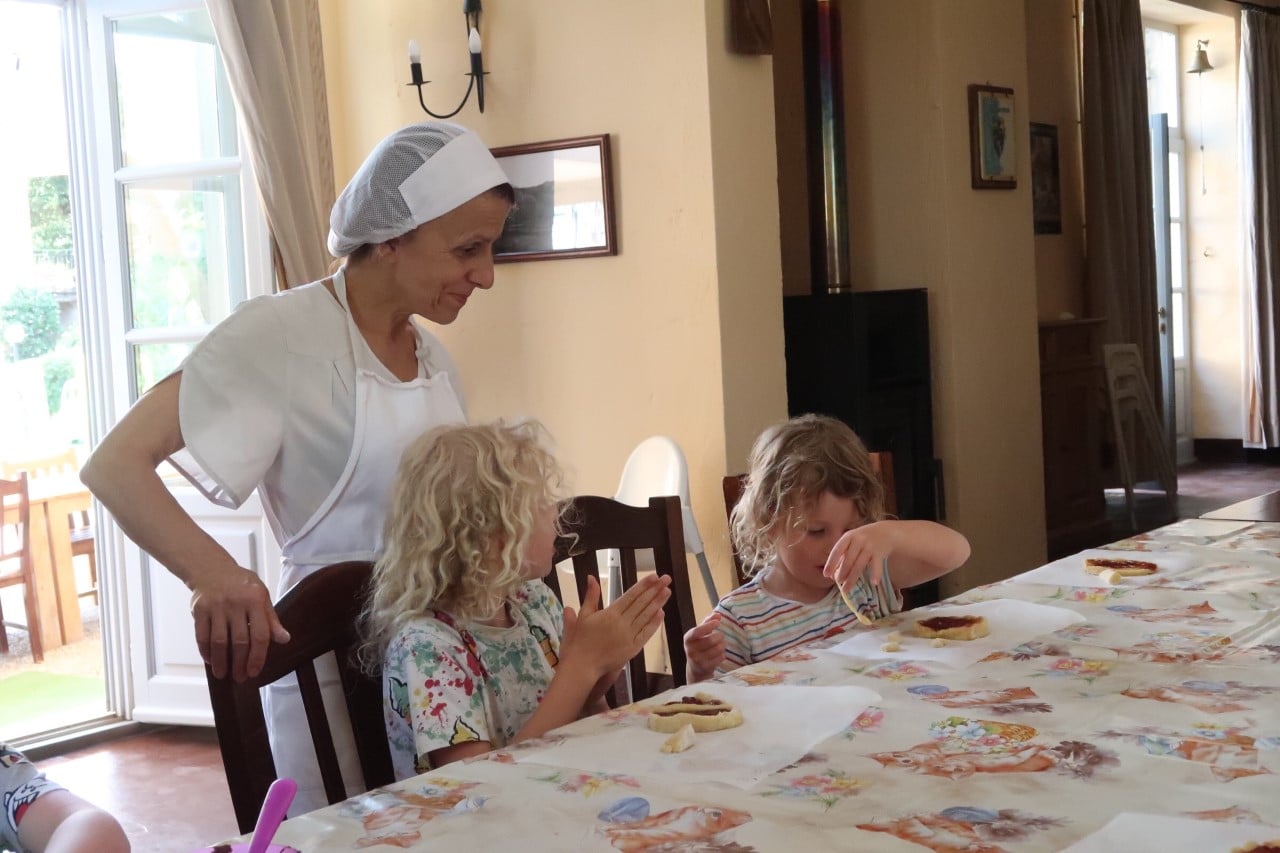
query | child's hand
[604, 640]
[862, 551]
[704, 648]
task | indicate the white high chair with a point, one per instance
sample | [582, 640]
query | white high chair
[657, 468]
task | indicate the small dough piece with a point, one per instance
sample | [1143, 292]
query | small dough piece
[1111, 577]
[938, 642]
[894, 637]
[680, 741]
[891, 647]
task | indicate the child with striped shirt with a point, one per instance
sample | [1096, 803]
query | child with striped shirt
[810, 524]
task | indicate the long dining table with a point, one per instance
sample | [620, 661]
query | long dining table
[1143, 715]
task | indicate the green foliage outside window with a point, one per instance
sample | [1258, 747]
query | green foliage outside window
[36, 312]
[49, 202]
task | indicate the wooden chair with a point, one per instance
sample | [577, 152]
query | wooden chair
[601, 524]
[80, 521]
[320, 614]
[881, 463]
[16, 565]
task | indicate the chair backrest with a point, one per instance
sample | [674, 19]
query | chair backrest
[657, 467]
[596, 524]
[44, 466]
[15, 521]
[15, 547]
[881, 463]
[320, 614]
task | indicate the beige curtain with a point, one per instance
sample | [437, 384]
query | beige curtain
[275, 63]
[1260, 188]
[1121, 255]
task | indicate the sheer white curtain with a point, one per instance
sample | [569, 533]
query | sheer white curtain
[1121, 255]
[275, 64]
[1260, 189]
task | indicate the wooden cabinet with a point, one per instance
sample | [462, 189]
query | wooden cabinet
[1071, 386]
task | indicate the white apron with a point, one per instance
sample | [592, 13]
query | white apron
[389, 415]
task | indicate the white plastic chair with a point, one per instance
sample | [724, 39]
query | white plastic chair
[657, 468]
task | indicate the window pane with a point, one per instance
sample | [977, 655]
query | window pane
[1179, 324]
[185, 250]
[1175, 185]
[173, 101]
[1162, 73]
[1177, 254]
[153, 362]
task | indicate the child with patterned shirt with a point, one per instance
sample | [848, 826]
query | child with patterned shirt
[476, 651]
[811, 523]
[42, 816]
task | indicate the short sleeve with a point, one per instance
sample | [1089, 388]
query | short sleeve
[737, 645]
[21, 784]
[232, 404]
[436, 689]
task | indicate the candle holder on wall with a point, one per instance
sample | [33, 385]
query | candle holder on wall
[471, 12]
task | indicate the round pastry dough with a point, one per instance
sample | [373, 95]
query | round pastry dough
[973, 628]
[706, 714]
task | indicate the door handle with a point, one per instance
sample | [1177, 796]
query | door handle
[1162, 311]
[1163, 328]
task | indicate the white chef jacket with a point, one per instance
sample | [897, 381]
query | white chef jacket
[268, 400]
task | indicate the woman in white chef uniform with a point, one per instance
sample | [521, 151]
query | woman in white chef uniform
[310, 396]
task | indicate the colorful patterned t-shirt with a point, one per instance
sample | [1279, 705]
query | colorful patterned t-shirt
[437, 694]
[758, 625]
[20, 785]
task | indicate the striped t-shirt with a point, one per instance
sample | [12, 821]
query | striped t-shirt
[758, 625]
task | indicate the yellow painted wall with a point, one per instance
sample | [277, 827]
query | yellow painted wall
[680, 334]
[916, 222]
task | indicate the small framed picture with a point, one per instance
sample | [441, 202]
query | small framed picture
[1046, 194]
[993, 162]
[564, 200]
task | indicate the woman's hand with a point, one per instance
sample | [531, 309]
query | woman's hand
[862, 551]
[704, 648]
[604, 640]
[235, 622]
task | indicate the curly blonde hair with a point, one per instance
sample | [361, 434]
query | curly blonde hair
[790, 467]
[462, 510]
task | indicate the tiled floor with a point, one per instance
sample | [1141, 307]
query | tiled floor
[167, 786]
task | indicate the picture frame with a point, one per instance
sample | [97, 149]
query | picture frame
[1046, 192]
[993, 162]
[564, 200]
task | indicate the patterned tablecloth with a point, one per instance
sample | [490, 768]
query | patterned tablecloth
[1162, 704]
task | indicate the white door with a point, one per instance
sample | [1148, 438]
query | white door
[182, 242]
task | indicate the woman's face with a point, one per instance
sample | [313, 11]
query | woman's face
[440, 263]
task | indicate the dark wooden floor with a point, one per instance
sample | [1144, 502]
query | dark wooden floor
[167, 788]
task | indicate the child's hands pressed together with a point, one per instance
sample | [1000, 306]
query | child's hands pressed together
[603, 640]
[704, 648]
[862, 551]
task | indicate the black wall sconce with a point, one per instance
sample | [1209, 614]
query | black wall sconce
[471, 12]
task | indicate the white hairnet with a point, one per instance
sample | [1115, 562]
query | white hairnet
[416, 174]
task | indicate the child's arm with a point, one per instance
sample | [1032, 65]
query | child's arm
[917, 551]
[596, 642]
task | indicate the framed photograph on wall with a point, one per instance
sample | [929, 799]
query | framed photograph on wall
[993, 162]
[564, 200]
[1046, 193]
